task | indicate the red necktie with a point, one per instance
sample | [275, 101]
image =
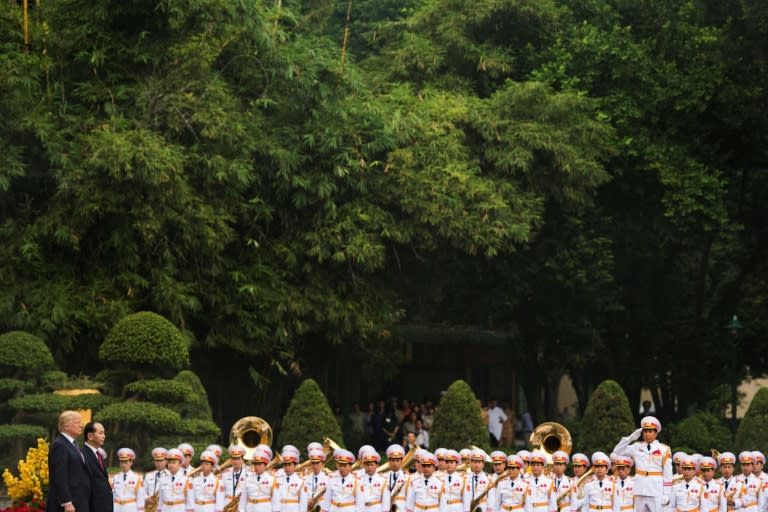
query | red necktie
[101, 459]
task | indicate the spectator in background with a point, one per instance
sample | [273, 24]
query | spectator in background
[483, 412]
[392, 427]
[508, 428]
[377, 427]
[368, 413]
[496, 419]
[409, 423]
[357, 419]
[422, 436]
[427, 417]
[527, 425]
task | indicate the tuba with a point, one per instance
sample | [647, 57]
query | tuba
[249, 432]
[550, 437]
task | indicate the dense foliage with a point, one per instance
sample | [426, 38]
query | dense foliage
[458, 421]
[607, 419]
[145, 339]
[309, 418]
[699, 433]
[584, 175]
[753, 429]
[24, 354]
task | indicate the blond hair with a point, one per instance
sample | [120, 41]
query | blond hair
[68, 416]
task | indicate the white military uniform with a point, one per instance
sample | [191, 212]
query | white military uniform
[230, 485]
[730, 489]
[397, 487]
[315, 487]
[577, 495]
[653, 472]
[563, 491]
[341, 495]
[713, 497]
[290, 492]
[454, 491]
[598, 495]
[173, 493]
[624, 495]
[426, 495]
[127, 492]
[749, 495]
[372, 494]
[511, 495]
[260, 493]
[201, 493]
[543, 497]
[686, 496]
[151, 482]
[474, 486]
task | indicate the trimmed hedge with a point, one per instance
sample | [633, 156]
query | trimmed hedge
[21, 432]
[51, 403]
[309, 418]
[24, 351]
[752, 433]
[198, 407]
[458, 420]
[14, 385]
[145, 414]
[161, 390]
[198, 428]
[145, 338]
[607, 419]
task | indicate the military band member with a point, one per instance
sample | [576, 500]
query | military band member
[231, 480]
[525, 455]
[260, 490]
[512, 494]
[173, 485]
[653, 466]
[757, 467]
[358, 472]
[712, 499]
[397, 480]
[624, 496]
[727, 463]
[316, 482]
[127, 488]
[454, 482]
[342, 488]
[440, 454]
[598, 493]
[151, 480]
[428, 492]
[372, 492]
[563, 484]
[697, 461]
[476, 483]
[201, 488]
[677, 458]
[580, 464]
[748, 496]
[464, 453]
[498, 464]
[290, 484]
[687, 492]
[542, 488]
[189, 452]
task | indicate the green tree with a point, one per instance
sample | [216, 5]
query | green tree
[753, 429]
[700, 433]
[607, 419]
[458, 421]
[309, 418]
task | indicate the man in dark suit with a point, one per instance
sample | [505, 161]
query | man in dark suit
[101, 490]
[69, 484]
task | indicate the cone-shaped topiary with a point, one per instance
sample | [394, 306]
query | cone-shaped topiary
[752, 433]
[309, 418]
[607, 419]
[24, 353]
[145, 339]
[458, 420]
[198, 407]
[699, 434]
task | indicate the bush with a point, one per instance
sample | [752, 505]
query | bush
[161, 390]
[52, 403]
[21, 432]
[145, 339]
[198, 407]
[458, 420]
[699, 433]
[24, 352]
[196, 428]
[752, 433]
[141, 414]
[607, 419]
[309, 418]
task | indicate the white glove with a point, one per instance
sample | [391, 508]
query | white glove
[636, 434]
[664, 499]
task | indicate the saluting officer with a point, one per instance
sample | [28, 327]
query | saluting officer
[653, 466]
[127, 488]
[260, 492]
[231, 480]
[598, 493]
[512, 494]
[428, 492]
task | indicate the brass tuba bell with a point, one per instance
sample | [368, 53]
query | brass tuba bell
[550, 437]
[249, 432]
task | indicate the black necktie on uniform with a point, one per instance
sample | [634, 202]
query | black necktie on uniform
[649, 447]
[706, 485]
[125, 475]
[449, 478]
[622, 483]
[342, 480]
[600, 483]
[426, 482]
[536, 481]
[686, 486]
[173, 478]
[314, 484]
[258, 478]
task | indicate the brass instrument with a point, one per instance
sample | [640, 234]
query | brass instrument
[219, 469]
[475, 507]
[314, 505]
[550, 437]
[232, 506]
[248, 433]
[194, 471]
[276, 461]
[408, 460]
[150, 504]
[582, 481]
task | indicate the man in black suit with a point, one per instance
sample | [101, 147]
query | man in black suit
[69, 485]
[101, 490]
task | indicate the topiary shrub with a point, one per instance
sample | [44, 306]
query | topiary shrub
[161, 390]
[24, 354]
[752, 433]
[699, 433]
[198, 406]
[607, 419]
[458, 421]
[145, 339]
[309, 418]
